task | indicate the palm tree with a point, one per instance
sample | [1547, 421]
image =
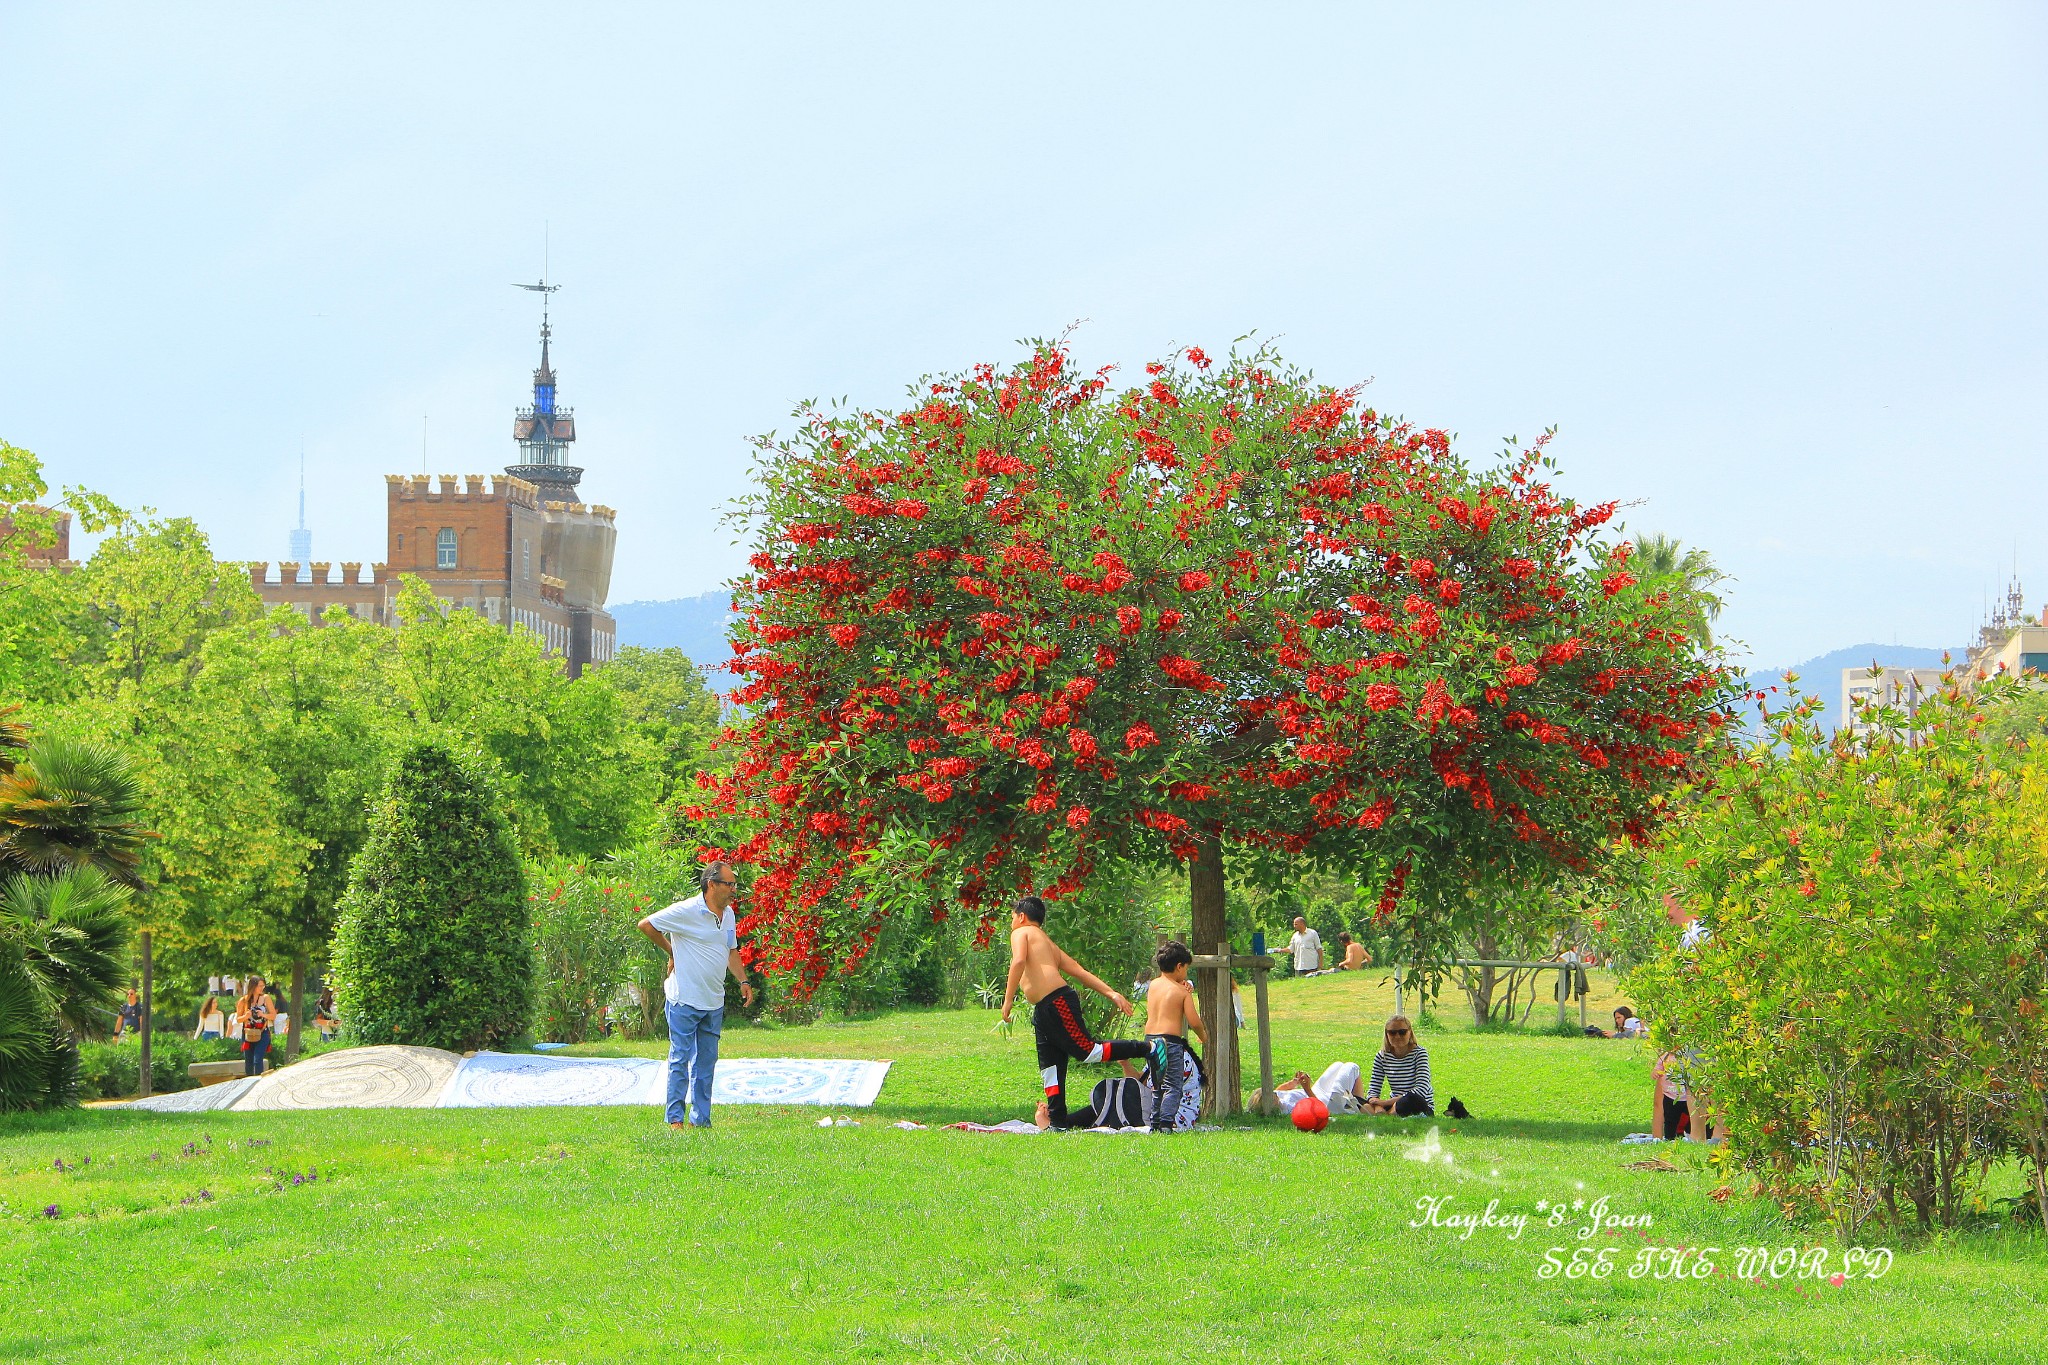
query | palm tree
[72, 930]
[1662, 556]
[71, 803]
[63, 956]
[13, 738]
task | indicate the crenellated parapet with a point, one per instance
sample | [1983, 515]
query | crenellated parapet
[469, 488]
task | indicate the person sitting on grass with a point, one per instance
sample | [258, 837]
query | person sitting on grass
[1355, 956]
[1170, 1011]
[1626, 1025]
[1039, 967]
[1401, 1069]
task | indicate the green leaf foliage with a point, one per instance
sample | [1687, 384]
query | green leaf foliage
[1866, 1017]
[432, 939]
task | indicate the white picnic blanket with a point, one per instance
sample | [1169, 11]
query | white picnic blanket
[518, 1080]
[393, 1077]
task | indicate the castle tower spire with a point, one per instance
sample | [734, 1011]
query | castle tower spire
[543, 429]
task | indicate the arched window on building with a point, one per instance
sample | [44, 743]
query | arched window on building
[444, 548]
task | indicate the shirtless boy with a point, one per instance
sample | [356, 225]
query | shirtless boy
[1170, 1011]
[1038, 965]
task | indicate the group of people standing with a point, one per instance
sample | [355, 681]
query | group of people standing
[254, 1016]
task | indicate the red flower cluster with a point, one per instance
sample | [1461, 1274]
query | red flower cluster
[945, 627]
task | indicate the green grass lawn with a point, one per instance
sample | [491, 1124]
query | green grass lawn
[598, 1234]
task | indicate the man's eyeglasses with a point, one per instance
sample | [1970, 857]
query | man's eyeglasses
[725, 881]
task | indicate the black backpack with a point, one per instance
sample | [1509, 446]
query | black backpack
[1118, 1103]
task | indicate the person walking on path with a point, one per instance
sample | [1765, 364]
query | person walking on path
[1039, 967]
[255, 1014]
[701, 939]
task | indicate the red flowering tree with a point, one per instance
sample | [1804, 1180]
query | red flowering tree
[1033, 623]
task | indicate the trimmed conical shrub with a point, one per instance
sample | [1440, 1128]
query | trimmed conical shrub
[431, 939]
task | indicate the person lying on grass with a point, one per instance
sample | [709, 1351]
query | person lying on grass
[1341, 1088]
[1170, 1011]
[1039, 967]
[1402, 1069]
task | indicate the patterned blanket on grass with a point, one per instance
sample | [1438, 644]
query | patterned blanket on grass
[509, 1080]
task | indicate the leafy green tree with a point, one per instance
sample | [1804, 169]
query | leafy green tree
[662, 695]
[152, 595]
[37, 616]
[432, 944]
[581, 779]
[313, 707]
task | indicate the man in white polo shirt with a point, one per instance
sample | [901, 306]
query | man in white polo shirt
[1307, 947]
[702, 944]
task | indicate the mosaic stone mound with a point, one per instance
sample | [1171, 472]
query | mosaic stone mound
[198, 1101]
[388, 1077]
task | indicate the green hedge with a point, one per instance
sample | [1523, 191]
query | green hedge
[432, 944]
[109, 1071]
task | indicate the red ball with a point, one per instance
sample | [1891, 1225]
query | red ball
[1311, 1115]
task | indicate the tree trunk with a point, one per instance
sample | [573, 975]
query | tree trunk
[1479, 990]
[1210, 933]
[291, 1034]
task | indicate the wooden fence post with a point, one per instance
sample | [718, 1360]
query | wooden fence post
[1267, 1104]
[1226, 1036]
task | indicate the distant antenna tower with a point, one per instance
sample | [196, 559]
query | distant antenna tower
[301, 536]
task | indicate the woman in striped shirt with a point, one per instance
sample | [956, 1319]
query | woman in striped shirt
[1401, 1068]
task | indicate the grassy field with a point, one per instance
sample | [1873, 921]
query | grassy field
[598, 1234]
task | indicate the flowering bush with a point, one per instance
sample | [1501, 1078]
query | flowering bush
[1867, 1014]
[584, 932]
[1047, 625]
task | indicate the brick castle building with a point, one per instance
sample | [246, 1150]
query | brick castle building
[518, 549]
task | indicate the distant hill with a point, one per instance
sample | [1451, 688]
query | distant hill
[1822, 677]
[695, 625]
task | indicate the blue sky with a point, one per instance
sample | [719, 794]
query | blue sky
[1775, 272]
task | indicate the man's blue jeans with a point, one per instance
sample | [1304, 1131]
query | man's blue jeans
[692, 1058]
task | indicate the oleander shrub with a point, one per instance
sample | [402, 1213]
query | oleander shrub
[432, 942]
[1866, 1017]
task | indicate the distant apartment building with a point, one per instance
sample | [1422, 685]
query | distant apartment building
[519, 549]
[1902, 689]
[2010, 643]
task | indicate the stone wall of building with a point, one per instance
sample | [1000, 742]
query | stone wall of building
[484, 545]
